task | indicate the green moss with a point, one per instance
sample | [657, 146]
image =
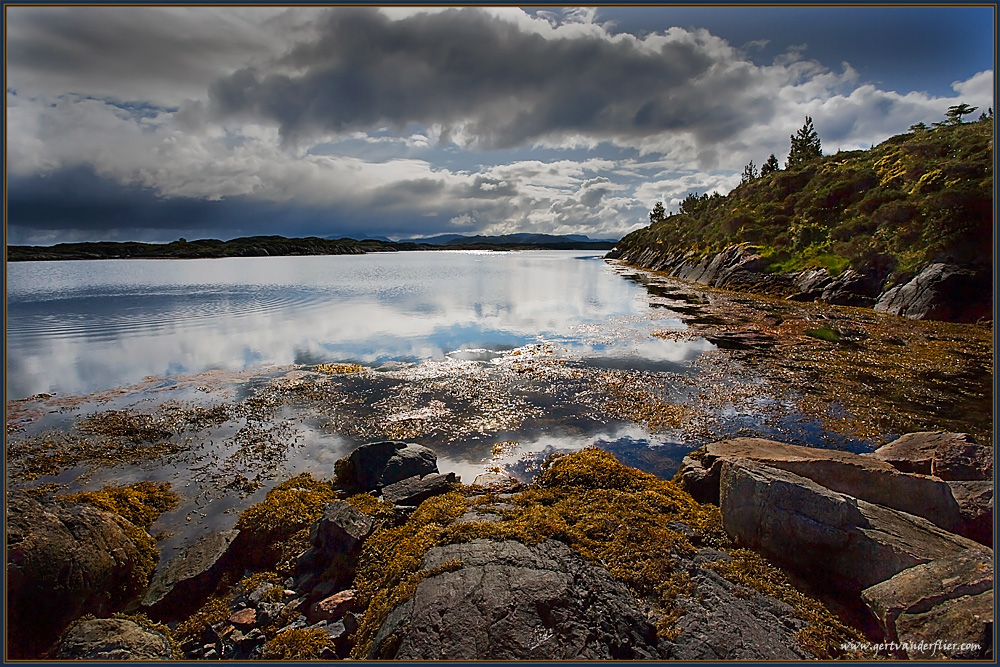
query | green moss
[297, 644]
[824, 333]
[140, 503]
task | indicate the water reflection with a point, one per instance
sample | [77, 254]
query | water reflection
[78, 327]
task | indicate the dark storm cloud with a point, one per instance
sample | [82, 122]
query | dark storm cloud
[491, 80]
[77, 204]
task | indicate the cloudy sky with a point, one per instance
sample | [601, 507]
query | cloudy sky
[152, 123]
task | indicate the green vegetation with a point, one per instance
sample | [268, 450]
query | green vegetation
[915, 197]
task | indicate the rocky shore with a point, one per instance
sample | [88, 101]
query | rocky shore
[741, 557]
[943, 290]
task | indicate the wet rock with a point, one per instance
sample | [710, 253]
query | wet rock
[184, 583]
[950, 456]
[741, 340]
[415, 490]
[511, 601]
[64, 561]
[113, 639]
[863, 477]
[847, 543]
[942, 291]
[975, 502]
[379, 464]
[920, 589]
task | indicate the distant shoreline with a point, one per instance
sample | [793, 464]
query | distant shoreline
[263, 246]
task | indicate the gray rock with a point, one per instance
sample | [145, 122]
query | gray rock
[511, 601]
[184, 583]
[921, 588]
[848, 543]
[64, 561]
[724, 621]
[941, 292]
[415, 490]
[113, 639]
[342, 530]
[378, 464]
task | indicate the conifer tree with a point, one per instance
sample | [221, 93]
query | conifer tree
[770, 166]
[749, 173]
[805, 145]
[658, 214]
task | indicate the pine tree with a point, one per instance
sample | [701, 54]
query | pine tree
[770, 166]
[749, 173]
[955, 113]
[658, 214]
[805, 145]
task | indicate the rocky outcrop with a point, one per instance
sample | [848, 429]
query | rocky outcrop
[948, 456]
[64, 561]
[379, 464]
[942, 291]
[415, 490]
[949, 600]
[113, 639]
[811, 529]
[511, 601]
[863, 477]
[336, 540]
[975, 504]
[187, 579]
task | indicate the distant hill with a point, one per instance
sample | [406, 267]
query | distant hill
[920, 197]
[540, 240]
[248, 246]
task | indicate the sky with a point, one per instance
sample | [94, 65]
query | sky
[151, 123]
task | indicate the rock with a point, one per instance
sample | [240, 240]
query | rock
[415, 490]
[333, 607]
[113, 639]
[963, 626]
[860, 476]
[741, 340]
[184, 583]
[920, 589]
[379, 464]
[509, 601]
[848, 543]
[64, 561]
[942, 291]
[850, 288]
[975, 503]
[342, 530]
[244, 618]
[950, 456]
[725, 621]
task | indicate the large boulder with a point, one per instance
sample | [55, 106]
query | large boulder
[848, 543]
[863, 477]
[975, 502]
[64, 561]
[509, 601]
[942, 292]
[184, 583]
[336, 541]
[949, 456]
[375, 465]
[966, 622]
[113, 639]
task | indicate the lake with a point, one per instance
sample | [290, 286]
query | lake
[84, 326]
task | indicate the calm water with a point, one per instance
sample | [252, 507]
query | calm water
[83, 326]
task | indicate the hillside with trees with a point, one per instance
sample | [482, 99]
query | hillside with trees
[919, 197]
